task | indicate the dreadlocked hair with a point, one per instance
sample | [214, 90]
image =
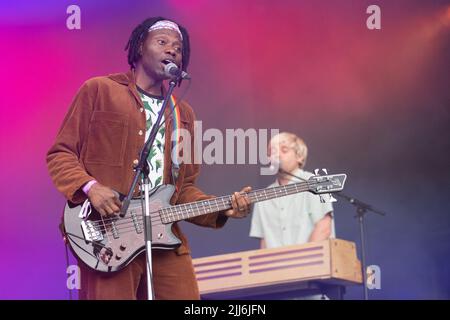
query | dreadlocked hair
[139, 35]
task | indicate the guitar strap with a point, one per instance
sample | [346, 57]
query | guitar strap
[175, 140]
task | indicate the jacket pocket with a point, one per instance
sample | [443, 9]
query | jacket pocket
[107, 139]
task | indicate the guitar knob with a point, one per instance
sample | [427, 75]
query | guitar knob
[122, 246]
[118, 256]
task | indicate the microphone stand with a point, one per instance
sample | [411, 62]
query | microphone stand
[143, 169]
[361, 209]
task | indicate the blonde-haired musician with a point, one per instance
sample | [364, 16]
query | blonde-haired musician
[297, 218]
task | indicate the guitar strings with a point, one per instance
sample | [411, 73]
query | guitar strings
[132, 228]
[272, 191]
[192, 206]
[172, 215]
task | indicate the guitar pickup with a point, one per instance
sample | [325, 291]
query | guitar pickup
[90, 231]
[136, 223]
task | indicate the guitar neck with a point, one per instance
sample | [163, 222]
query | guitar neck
[198, 208]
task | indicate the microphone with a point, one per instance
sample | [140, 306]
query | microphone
[274, 167]
[290, 174]
[172, 71]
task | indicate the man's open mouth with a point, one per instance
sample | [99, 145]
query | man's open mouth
[167, 61]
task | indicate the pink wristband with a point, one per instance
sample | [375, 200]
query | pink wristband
[88, 186]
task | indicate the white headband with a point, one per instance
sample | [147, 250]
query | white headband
[166, 24]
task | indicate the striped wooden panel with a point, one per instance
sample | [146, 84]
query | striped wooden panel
[331, 260]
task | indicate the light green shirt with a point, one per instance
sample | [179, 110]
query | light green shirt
[290, 219]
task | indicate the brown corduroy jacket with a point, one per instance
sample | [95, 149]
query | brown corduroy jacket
[101, 138]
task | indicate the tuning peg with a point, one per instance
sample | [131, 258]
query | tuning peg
[325, 171]
[316, 172]
[322, 200]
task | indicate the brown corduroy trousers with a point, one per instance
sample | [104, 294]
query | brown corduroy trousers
[173, 279]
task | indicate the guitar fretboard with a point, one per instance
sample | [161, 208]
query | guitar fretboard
[198, 208]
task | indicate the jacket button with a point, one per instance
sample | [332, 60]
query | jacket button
[135, 162]
[141, 132]
[141, 109]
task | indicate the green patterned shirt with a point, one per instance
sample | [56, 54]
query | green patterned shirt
[155, 159]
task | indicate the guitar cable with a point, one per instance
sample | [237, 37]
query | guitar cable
[67, 266]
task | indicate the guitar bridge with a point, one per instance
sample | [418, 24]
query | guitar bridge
[90, 231]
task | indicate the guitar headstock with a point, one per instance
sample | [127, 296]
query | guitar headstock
[324, 185]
